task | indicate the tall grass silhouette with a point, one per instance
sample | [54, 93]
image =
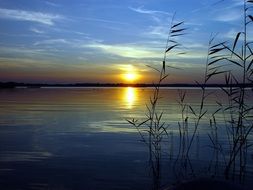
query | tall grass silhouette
[224, 59]
[239, 123]
[152, 130]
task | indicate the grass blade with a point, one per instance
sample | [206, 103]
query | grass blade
[213, 51]
[215, 73]
[174, 67]
[251, 17]
[173, 41]
[178, 30]
[171, 47]
[234, 62]
[219, 66]
[249, 66]
[174, 35]
[175, 25]
[204, 113]
[216, 45]
[249, 48]
[236, 39]
[233, 52]
[153, 68]
[164, 77]
[192, 111]
[212, 62]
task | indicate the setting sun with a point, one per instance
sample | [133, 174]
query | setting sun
[129, 73]
[130, 77]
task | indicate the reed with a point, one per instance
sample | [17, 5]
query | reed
[152, 130]
[239, 124]
[237, 113]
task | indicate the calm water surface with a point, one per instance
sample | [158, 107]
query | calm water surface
[78, 138]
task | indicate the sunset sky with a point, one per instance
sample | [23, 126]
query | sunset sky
[107, 40]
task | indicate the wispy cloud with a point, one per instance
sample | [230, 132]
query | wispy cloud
[238, 2]
[141, 51]
[125, 50]
[52, 4]
[207, 5]
[147, 11]
[229, 15]
[35, 30]
[157, 32]
[80, 33]
[51, 42]
[102, 20]
[20, 62]
[21, 15]
[228, 11]
[82, 58]
[22, 52]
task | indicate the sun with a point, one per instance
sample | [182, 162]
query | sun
[130, 77]
[129, 74]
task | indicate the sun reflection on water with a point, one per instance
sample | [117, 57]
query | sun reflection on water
[130, 97]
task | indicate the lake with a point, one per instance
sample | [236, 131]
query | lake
[78, 138]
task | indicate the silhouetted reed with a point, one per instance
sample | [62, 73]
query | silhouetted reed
[239, 123]
[152, 130]
[237, 113]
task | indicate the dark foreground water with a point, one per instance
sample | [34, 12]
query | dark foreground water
[78, 138]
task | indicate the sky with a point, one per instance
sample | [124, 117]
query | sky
[108, 41]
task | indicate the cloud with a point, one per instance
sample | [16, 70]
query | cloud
[207, 5]
[142, 51]
[150, 12]
[102, 20]
[80, 33]
[35, 30]
[52, 4]
[229, 15]
[21, 15]
[229, 11]
[125, 50]
[157, 32]
[237, 2]
[26, 63]
[52, 41]
[82, 58]
[26, 52]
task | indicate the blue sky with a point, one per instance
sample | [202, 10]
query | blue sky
[101, 40]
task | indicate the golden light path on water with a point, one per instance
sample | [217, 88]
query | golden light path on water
[130, 96]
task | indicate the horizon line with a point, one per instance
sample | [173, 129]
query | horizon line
[97, 84]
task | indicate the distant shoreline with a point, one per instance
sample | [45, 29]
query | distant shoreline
[40, 85]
